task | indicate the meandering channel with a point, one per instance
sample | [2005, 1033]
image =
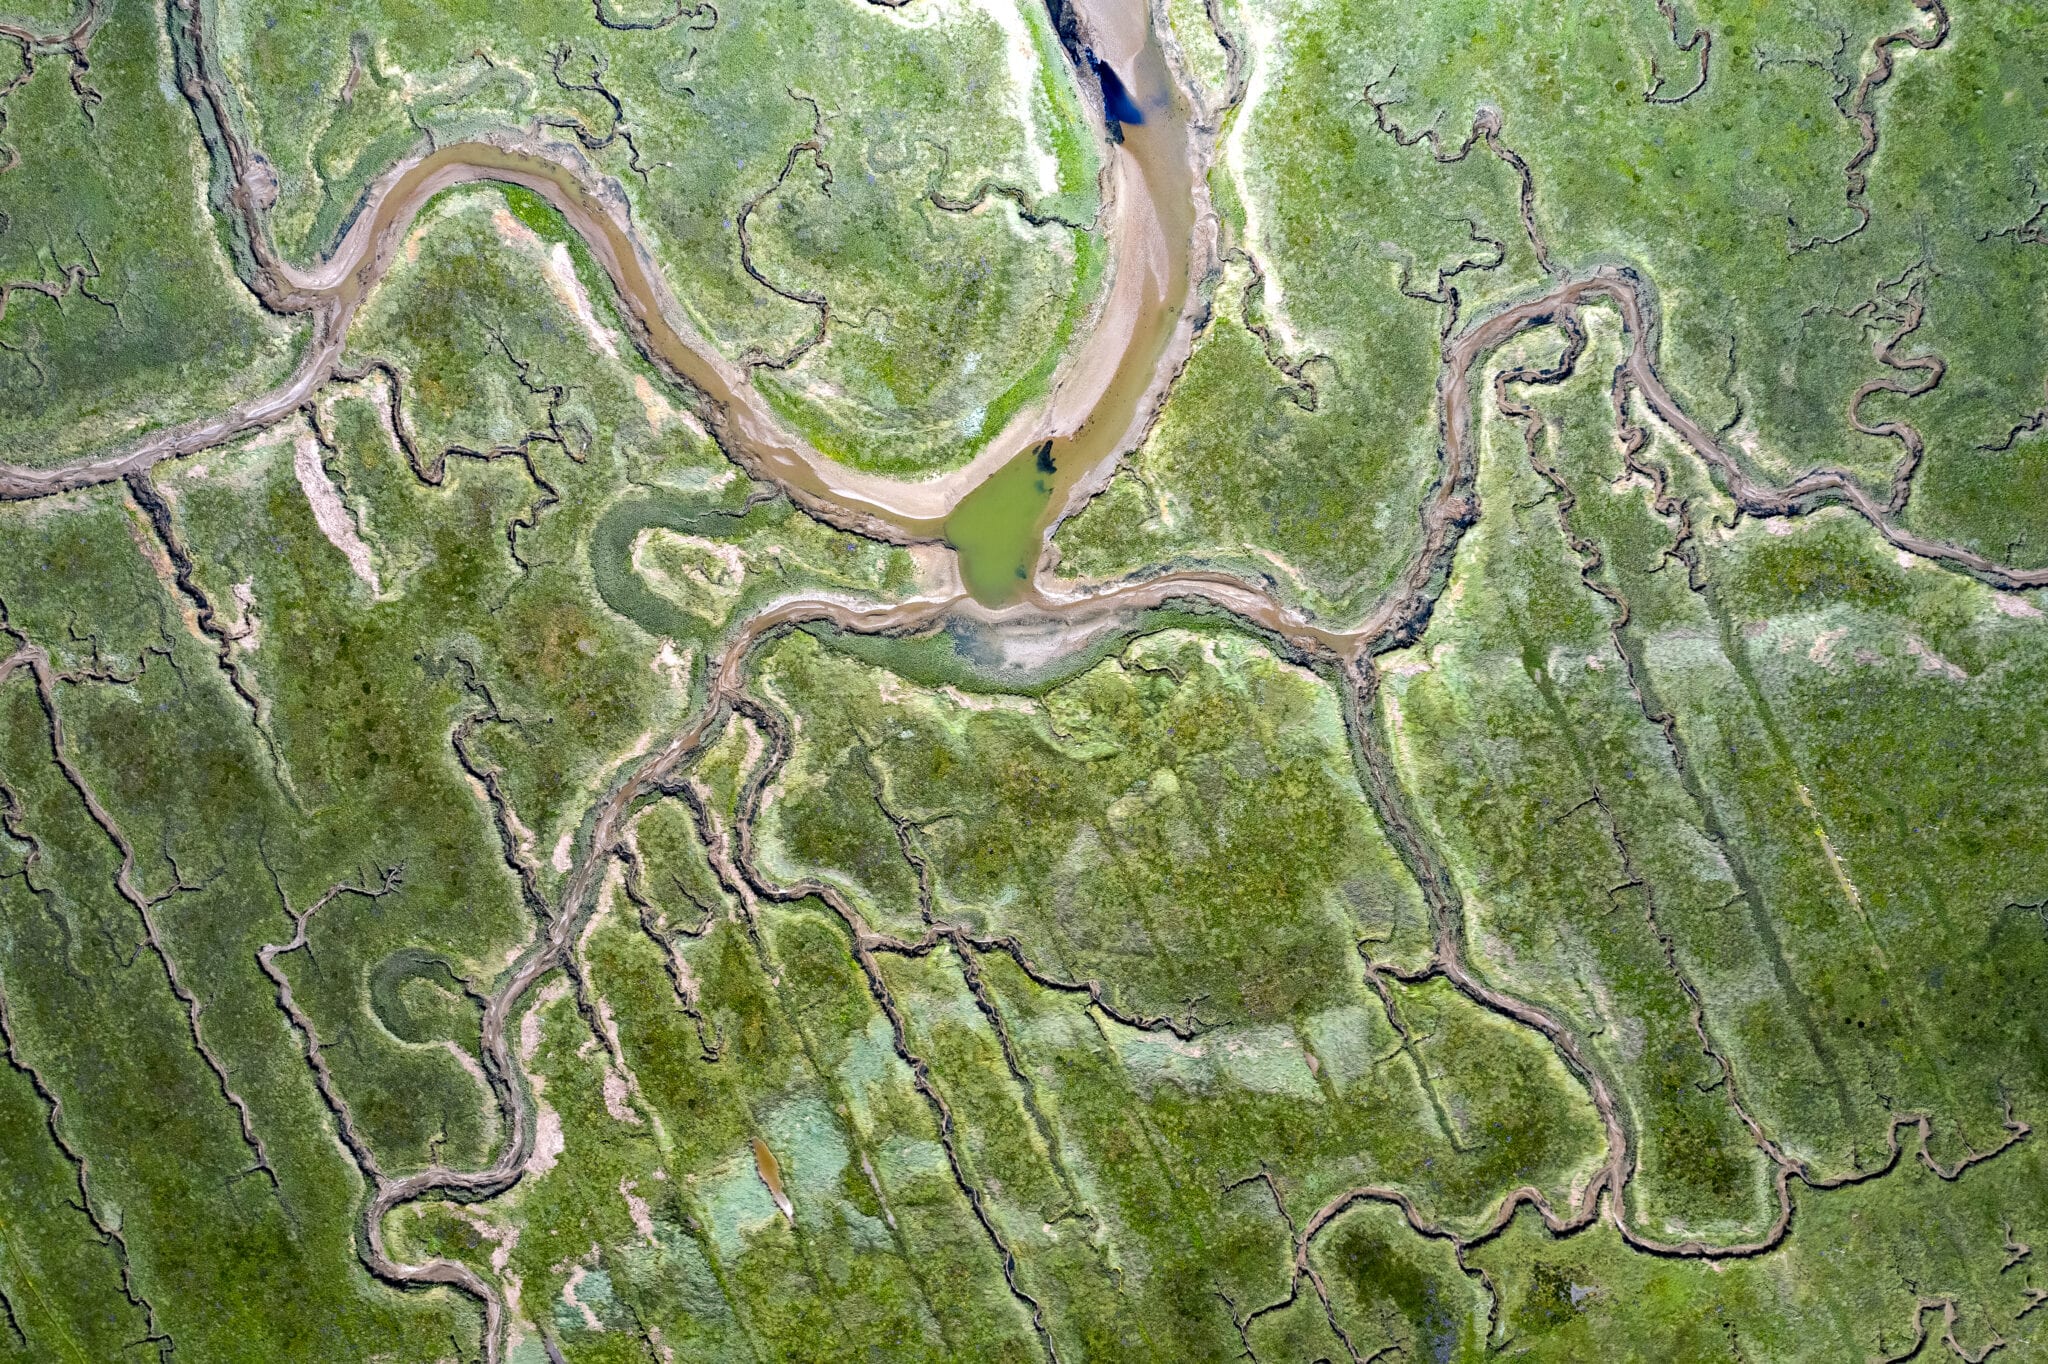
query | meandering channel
[995, 513]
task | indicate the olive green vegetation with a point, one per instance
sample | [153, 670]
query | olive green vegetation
[1752, 811]
[1713, 200]
[119, 309]
[1825, 850]
[938, 323]
[1114, 1172]
[484, 636]
[230, 1253]
[1843, 1296]
[1190, 35]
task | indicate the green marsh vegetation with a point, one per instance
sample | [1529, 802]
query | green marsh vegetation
[1096, 1006]
[119, 307]
[890, 322]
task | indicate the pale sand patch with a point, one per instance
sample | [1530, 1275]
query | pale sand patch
[672, 665]
[1397, 726]
[249, 631]
[2016, 606]
[522, 836]
[1905, 559]
[639, 748]
[1292, 574]
[560, 270]
[1778, 525]
[576, 1276]
[548, 1143]
[757, 742]
[938, 570]
[511, 231]
[1020, 705]
[1020, 52]
[637, 1208]
[328, 512]
[725, 552]
[143, 534]
[1824, 644]
[501, 1254]
[1932, 662]
[502, 1238]
[707, 588]
[686, 979]
[547, 1139]
[868, 1167]
[519, 1329]
[560, 861]
[660, 412]
[569, 289]
[1827, 846]
[616, 1091]
[1021, 59]
[1263, 37]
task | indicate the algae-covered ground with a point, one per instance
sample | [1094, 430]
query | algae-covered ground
[1510, 820]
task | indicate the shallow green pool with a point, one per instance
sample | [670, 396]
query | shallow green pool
[998, 527]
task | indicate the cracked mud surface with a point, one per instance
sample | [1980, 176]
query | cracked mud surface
[1446, 759]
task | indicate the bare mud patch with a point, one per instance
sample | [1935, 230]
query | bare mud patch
[330, 515]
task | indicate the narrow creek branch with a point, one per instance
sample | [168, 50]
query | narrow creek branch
[1861, 111]
[1904, 315]
[109, 1232]
[226, 639]
[1300, 389]
[988, 187]
[675, 12]
[2033, 424]
[1486, 128]
[266, 957]
[1946, 1306]
[74, 44]
[865, 943]
[64, 281]
[561, 926]
[809, 148]
[37, 661]
[1701, 41]
[1591, 560]
[1378, 776]
[657, 929]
